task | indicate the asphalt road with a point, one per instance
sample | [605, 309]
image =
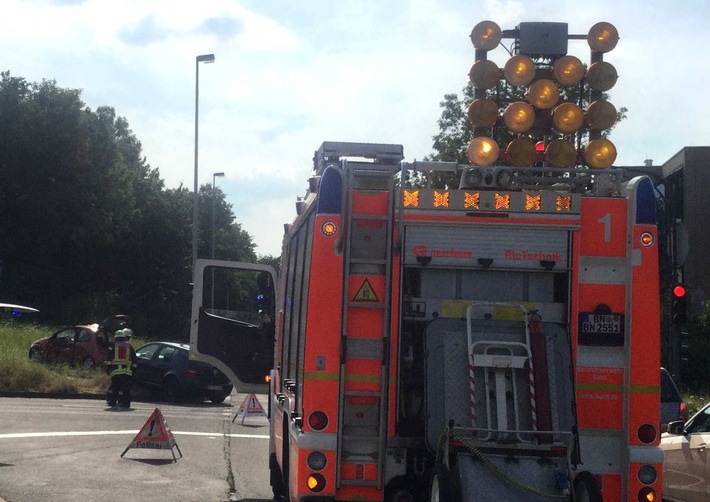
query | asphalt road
[70, 450]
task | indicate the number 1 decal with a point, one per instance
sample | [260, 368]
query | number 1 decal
[606, 220]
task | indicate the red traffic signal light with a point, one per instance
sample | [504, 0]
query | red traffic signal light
[679, 291]
[679, 304]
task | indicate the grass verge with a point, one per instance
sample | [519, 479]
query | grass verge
[22, 375]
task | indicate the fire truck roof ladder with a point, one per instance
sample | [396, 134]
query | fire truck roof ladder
[331, 152]
[364, 365]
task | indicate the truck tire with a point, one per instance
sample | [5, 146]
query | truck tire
[586, 488]
[276, 479]
[440, 485]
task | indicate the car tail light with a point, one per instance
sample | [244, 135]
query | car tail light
[316, 482]
[192, 373]
[648, 474]
[647, 433]
[647, 494]
[318, 420]
[683, 412]
[316, 460]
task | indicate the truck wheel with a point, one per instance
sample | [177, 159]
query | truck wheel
[439, 487]
[586, 488]
[276, 479]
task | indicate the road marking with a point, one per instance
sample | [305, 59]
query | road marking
[19, 435]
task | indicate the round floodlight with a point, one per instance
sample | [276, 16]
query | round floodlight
[602, 76]
[519, 117]
[519, 70]
[483, 113]
[521, 152]
[568, 71]
[602, 37]
[567, 118]
[486, 35]
[600, 153]
[482, 151]
[543, 94]
[560, 153]
[484, 74]
[601, 115]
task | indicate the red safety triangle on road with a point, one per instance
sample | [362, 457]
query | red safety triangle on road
[250, 407]
[155, 435]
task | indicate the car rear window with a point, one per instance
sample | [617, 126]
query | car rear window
[669, 392]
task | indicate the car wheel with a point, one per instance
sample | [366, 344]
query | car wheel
[217, 397]
[36, 355]
[171, 390]
[88, 364]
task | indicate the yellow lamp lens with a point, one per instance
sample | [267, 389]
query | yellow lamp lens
[600, 153]
[486, 35]
[602, 37]
[521, 152]
[602, 76]
[601, 115]
[568, 71]
[484, 74]
[482, 151]
[519, 117]
[560, 153]
[483, 113]
[543, 94]
[567, 118]
[519, 70]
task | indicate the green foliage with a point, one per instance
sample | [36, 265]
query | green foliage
[694, 370]
[89, 229]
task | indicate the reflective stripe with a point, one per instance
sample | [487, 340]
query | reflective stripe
[319, 375]
[646, 389]
[608, 387]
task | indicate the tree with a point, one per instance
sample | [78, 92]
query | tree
[89, 229]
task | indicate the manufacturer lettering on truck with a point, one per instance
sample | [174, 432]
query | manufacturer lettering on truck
[532, 255]
[423, 251]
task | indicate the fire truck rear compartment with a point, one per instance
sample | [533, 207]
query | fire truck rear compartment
[481, 379]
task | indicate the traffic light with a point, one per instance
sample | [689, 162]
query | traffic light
[679, 304]
[543, 106]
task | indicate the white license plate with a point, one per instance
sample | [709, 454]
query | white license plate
[214, 387]
[601, 323]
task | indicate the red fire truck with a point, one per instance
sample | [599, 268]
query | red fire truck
[495, 340]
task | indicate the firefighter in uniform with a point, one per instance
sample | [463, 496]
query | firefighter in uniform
[120, 361]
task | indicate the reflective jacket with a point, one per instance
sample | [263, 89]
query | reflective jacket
[123, 357]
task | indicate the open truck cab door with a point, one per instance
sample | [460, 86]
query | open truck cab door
[233, 321]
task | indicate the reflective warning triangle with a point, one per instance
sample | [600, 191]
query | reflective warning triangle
[155, 435]
[365, 293]
[250, 407]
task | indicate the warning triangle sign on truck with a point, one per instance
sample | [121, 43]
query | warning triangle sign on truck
[155, 435]
[250, 407]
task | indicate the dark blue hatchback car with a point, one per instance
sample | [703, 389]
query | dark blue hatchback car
[167, 370]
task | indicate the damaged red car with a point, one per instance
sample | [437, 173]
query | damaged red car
[85, 345]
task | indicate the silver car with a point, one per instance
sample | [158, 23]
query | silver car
[686, 470]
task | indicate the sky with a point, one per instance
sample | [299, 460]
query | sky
[289, 75]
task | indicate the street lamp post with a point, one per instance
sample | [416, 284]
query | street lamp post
[214, 206]
[204, 58]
